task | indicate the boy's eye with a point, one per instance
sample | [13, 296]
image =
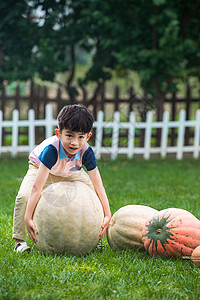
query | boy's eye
[68, 135]
[81, 137]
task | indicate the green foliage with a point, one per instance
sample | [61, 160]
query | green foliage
[109, 274]
[17, 39]
[158, 39]
[156, 49]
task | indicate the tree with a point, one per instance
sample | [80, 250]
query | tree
[161, 42]
[17, 39]
[66, 25]
[159, 39]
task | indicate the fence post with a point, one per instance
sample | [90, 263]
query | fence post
[3, 103]
[31, 101]
[58, 100]
[173, 106]
[143, 115]
[188, 101]
[102, 97]
[15, 132]
[31, 131]
[164, 134]
[131, 99]
[37, 101]
[115, 135]
[99, 134]
[147, 140]
[49, 117]
[3, 100]
[197, 135]
[45, 96]
[181, 133]
[131, 134]
[17, 97]
[116, 98]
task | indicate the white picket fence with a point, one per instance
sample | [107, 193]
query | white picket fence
[49, 123]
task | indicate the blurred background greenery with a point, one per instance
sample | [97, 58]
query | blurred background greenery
[79, 44]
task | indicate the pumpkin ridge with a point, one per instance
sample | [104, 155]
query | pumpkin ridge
[178, 249]
[182, 230]
[128, 224]
[170, 248]
[187, 241]
[112, 241]
[127, 234]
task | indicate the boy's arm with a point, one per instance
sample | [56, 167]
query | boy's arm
[39, 182]
[101, 193]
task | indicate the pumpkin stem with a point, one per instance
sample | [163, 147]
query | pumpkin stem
[158, 231]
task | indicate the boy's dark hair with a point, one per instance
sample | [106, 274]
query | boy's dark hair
[75, 118]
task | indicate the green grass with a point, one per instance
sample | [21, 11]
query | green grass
[109, 274]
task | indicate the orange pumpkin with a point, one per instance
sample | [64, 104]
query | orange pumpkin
[171, 232]
[195, 257]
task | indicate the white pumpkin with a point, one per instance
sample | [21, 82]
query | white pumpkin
[126, 225]
[68, 217]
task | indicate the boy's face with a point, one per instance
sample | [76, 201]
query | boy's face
[72, 141]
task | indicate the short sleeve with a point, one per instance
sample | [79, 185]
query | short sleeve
[89, 160]
[49, 156]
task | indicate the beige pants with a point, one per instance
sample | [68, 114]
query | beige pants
[19, 228]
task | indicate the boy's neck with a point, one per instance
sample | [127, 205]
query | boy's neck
[69, 155]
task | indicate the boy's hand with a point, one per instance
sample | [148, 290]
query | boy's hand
[104, 226]
[32, 230]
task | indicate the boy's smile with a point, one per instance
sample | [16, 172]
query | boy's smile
[72, 141]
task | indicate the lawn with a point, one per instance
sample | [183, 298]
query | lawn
[105, 274]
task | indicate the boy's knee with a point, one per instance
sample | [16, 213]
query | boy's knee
[22, 198]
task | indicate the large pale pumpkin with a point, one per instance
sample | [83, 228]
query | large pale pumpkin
[68, 217]
[171, 232]
[125, 229]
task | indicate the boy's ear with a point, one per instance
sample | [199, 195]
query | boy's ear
[57, 132]
[89, 136]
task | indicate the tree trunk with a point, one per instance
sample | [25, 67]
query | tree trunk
[70, 89]
[159, 98]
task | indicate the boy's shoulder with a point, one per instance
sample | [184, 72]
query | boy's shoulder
[85, 147]
[52, 140]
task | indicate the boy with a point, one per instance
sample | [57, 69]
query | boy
[58, 158]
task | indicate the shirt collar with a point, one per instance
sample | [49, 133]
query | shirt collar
[62, 153]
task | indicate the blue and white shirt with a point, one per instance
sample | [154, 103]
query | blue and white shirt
[52, 154]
